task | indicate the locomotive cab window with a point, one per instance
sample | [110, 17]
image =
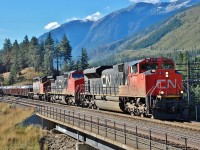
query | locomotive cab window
[167, 66]
[134, 69]
[149, 66]
[77, 76]
[121, 68]
[104, 80]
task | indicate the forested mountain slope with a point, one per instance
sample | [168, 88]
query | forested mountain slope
[179, 33]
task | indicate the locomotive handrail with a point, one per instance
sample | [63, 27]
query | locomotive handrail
[185, 88]
[153, 88]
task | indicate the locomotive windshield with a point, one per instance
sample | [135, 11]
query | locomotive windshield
[167, 66]
[77, 76]
[149, 66]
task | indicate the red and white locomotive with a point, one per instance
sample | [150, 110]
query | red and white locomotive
[147, 87]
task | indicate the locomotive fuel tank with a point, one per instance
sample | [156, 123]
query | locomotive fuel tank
[108, 105]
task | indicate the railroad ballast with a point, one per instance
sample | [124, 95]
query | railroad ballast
[149, 87]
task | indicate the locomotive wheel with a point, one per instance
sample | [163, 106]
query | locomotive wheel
[91, 106]
[67, 101]
[52, 99]
[43, 97]
[84, 103]
[151, 116]
[132, 113]
[137, 112]
[94, 106]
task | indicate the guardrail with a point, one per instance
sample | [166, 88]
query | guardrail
[132, 136]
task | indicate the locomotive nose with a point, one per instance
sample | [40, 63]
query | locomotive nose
[168, 82]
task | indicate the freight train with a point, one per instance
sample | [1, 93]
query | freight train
[149, 87]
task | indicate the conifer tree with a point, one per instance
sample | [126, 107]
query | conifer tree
[7, 47]
[65, 49]
[1, 79]
[15, 54]
[65, 68]
[24, 57]
[79, 64]
[185, 56]
[42, 52]
[15, 67]
[84, 59]
[13, 74]
[48, 56]
[72, 65]
[180, 57]
[34, 51]
[57, 56]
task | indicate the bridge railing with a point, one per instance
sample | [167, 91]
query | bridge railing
[124, 133]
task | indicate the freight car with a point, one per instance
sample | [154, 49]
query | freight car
[148, 87]
[21, 91]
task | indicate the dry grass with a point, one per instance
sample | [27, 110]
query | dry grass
[13, 136]
[6, 75]
[25, 77]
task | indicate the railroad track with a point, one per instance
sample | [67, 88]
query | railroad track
[177, 132]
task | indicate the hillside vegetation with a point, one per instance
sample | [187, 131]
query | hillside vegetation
[179, 33]
[187, 36]
[23, 78]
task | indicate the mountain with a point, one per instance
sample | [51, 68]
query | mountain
[117, 26]
[184, 36]
[179, 33]
[75, 31]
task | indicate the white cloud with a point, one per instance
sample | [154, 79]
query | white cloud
[52, 26]
[93, 17]
[147, 1]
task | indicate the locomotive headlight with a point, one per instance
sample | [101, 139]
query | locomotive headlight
[181, 92]
[167, 74]
[161, 92]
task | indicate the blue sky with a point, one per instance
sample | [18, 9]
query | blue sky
[35, 17]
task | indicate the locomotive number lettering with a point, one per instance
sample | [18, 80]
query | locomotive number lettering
[106, 80]
[165, 84]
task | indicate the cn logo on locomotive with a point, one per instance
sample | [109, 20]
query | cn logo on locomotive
[166, 82]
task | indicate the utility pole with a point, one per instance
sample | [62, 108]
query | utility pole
[188, 81]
